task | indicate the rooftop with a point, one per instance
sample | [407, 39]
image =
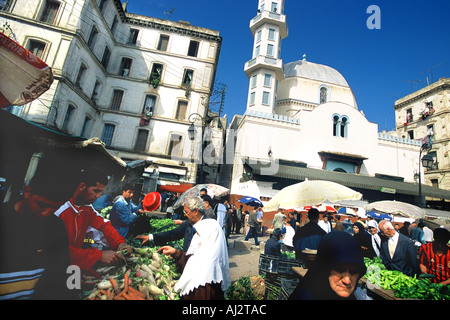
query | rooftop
[314, 71]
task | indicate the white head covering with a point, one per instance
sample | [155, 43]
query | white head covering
[209, 259]
[373, 224]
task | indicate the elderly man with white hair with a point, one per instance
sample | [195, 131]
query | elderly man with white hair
[205, 264]
[398, 251]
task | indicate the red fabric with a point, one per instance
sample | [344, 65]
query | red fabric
[77, 219]
[437, 264]
[178, 188]
[4, 103]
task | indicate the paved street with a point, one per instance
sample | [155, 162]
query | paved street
[244, 256]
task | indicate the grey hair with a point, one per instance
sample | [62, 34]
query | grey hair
[387, 225]
[196, 203]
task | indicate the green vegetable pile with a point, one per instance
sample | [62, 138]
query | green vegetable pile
[149, 272]
[158, 225]
[287, 254]
[402, 285]
[423, 289]
[247, 288]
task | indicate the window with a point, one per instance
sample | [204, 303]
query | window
[340, 126]
[266, 98]
[433, 154]
[105, 58]
[94, 96]
[50, 11]
[86, 127]
[258, 36]
[272, 33]
[193, 48]
[253, 81]
[116, 99]
[323, 94]
[344, 122]
[163, 42]
[68, 117]
[187, 77]
[133, 36]
[36, 47]
[141, 140]
[434, 183]
[252, 98]
[267, 80]
[411, 134]
[257, 51]
[181, 110]
[92, 38]
[430, 130]
[114, 24]
[149, 105]
[336, 121]
[108, 133]
[101, 5]
[80, 76]
[270, 50]
[155, 76]
[175, 145]
[409, 115]
[274, 7]
[125, 67]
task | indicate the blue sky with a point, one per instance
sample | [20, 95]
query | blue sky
[380, 65]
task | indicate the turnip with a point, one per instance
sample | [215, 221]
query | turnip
[104, 285]
[154, 290]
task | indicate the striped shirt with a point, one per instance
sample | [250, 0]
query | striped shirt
[436, 264]
[19, 285]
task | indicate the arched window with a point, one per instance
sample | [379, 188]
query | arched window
[323, 94]
[344, 127]
[340, 125]
[336, 122]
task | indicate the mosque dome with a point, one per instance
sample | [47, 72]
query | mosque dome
[314, 71]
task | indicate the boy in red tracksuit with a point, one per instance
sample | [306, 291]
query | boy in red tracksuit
[78, 214]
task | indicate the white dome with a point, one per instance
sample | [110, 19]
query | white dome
[314, 71]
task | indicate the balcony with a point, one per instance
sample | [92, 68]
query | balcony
[267, 63]
[272, 18]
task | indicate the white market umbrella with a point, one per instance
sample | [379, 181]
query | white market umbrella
[398, 208]
[310, 193]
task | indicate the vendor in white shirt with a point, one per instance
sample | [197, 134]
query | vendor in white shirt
[206, 274]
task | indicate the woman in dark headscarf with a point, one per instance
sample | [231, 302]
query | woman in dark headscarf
[364, 239]
[338, 266]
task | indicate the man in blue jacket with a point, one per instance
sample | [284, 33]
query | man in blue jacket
[123, 212]
[398, 251]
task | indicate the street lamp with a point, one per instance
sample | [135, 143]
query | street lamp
[427, 162]
[192, 133]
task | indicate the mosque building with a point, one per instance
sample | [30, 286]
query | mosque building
[302, 122]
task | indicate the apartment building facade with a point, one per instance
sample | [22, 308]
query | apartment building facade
[425, 115]
[129, 79]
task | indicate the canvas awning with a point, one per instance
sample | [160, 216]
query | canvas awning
[299, 172]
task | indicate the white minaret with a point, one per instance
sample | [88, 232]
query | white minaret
[265, 68]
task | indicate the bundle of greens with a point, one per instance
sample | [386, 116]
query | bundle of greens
[247, 288]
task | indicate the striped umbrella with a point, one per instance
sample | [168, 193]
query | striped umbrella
[347, 211]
